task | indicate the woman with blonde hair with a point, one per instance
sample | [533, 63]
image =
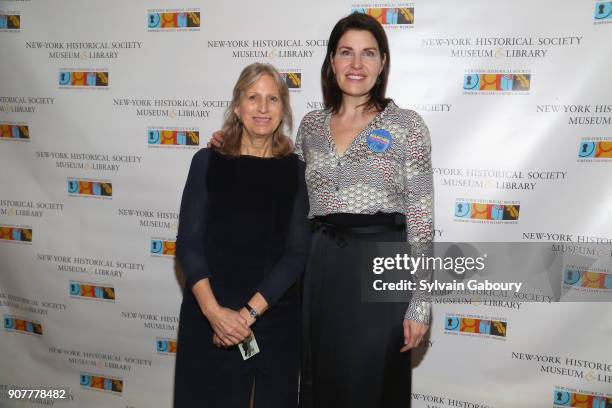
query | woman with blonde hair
[242, 244]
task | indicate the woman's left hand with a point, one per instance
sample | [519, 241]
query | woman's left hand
[413, 334]
[245, 314]
[216, 340]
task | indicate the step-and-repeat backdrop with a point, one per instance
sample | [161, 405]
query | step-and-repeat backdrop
[102, 106]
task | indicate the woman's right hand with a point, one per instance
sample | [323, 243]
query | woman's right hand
[216, 140]
[229, 326]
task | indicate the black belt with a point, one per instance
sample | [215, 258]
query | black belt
[340, 226]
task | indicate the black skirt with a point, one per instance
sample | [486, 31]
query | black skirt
[351, 348]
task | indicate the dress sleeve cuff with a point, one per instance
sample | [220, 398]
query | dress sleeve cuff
[419, 311]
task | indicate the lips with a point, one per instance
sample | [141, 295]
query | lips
[261, 120]
[355, 77]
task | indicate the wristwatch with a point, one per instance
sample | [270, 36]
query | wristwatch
[252, 311]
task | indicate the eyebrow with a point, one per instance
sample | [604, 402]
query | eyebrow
[365, 49]
[258, 93]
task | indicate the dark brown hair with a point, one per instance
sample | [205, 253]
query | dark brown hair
[332, 95]
[233, 127]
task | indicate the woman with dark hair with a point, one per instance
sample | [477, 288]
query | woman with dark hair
[369, 177]
[242, 244]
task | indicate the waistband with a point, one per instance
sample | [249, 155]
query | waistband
[394, 221]
[341, 226]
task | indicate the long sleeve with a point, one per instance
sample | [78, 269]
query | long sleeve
[293, 261]
[299, 141]
[192, 225]
[419, 210]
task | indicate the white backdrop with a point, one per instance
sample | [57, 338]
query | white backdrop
[89, 200]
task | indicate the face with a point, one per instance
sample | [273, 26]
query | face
[357, 62]
[260, 109]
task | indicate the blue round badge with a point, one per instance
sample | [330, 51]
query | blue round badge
[379, 140]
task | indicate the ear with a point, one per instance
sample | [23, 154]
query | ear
[331, 62]
[236, 112]
[382, 66]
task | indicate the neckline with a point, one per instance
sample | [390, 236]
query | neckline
[331, 141]
[250, 156]
[247, 156]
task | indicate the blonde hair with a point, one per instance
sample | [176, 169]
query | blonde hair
[233, 127]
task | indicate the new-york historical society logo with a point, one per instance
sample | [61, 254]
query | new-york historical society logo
[19, 234]
[487, 211]
[598, 371]
[80, 187]
[163, 247]
[75, 78]
[14, 131]
[83, 50]
[571, 397]
[90, 161]
[497, 179]
[506, 47]
[603, 13]
[171, 108]
[23, 104]
[476, 326]
[580, 114]
[292, 78]
[104, 383]
[23, 326]
[290, 48]
[165, 346]
[173, 137]
[10, 21]
[496, 82]
[181, 19]
[391, 16]
[27, 208]
[595, 150]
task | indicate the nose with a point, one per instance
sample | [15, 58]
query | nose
[356, 61]
[262, 106]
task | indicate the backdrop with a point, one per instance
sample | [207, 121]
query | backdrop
[103, 104]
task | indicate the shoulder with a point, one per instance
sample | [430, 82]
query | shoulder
[313, 117]
[411, 127]
[202, 157]
[405, 117]
[293, 161]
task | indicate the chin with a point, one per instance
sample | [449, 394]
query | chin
[352, 91]
[263, 133]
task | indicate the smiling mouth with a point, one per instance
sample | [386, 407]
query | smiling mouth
[261, 120]
[355, 77]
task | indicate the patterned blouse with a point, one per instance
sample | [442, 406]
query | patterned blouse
[386, 168]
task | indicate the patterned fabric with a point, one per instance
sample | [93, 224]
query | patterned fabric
[387, 168]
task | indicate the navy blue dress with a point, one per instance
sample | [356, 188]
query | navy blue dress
[243, 225]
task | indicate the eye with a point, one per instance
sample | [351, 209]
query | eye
[274, 98]
[345, 53]
[370, 53]
[252, 97]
